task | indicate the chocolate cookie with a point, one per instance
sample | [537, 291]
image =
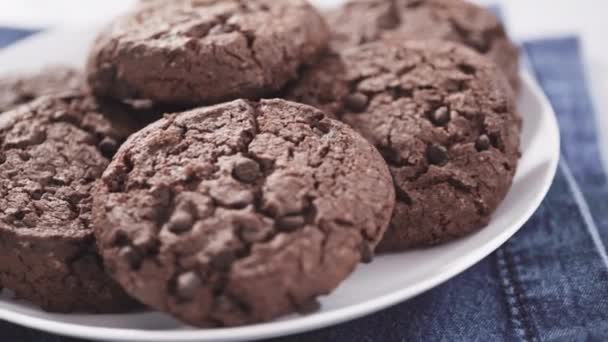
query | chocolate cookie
[206, 51]
[241, 212]
[19, 89]
[444, 119]
[52, 150]
[362, 21]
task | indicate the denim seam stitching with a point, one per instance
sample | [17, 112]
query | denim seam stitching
[514, 296]
[514, 264]
[584, 211]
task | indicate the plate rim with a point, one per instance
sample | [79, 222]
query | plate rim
[323, 319]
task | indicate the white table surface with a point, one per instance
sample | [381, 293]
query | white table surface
[526, 19]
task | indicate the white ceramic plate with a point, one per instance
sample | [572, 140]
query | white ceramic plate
[402, 275]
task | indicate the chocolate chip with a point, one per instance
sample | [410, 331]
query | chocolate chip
[181, 221]
[479, 42]
[224, 304]
[291, 223]
[37, 194]
[367, 253]
[309, 307]
[413, 3]
[224, 259]
[356, 102]
[246, 170]
[441, 116]
[324, 125]
[15, 214]
[391, 155]
[437, 154]
[483, 143]
[467, 69]
[108, 146]
[388, 20]
[187, 285]
[131, 256]
[24, 155]
[119, 238]
[146, 243]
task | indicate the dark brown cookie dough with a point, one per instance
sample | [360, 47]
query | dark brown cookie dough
[444, 119]
[241, 212]
[19, 89]
[207, 51]
[362, 21]
[52, 150]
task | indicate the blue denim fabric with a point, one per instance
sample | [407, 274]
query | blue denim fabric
[11, 35]
[548, 283]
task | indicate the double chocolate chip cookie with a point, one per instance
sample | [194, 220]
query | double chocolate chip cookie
[363, 21]
[52, 150]
[19, 89]
[444, 119]
[191, 52]
[241, 212]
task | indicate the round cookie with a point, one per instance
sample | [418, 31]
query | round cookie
[19, 89]
[444, 119]
[362, 21]
[241, 212]
[52, 151]
[191, 52]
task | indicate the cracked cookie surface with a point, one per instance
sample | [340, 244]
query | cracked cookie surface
[444, 120]
[19, 89]
[363, 21]
[52, 150]
[193, 52]
[241, 212]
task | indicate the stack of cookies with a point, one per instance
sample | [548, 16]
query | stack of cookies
[230, 161]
